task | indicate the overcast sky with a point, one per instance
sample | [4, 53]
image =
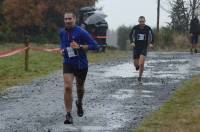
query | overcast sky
[126, 12]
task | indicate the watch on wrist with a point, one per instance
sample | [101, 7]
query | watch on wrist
[80, 46]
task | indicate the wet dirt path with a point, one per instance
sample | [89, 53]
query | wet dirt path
[114, 101]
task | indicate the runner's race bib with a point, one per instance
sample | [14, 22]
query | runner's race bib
[71, 52]
[141, 37]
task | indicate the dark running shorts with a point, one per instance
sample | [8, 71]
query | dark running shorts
[138, 52]
[80, 74]
[194, 39]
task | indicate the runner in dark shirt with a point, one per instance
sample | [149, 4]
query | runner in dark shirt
[140, 37]
[194, 32]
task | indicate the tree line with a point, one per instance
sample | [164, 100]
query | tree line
[180, 11]
[39, 19]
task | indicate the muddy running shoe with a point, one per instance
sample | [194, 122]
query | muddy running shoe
[139, 79]
[195, 51]
[137, 68]
[69, 119]
[79, 109]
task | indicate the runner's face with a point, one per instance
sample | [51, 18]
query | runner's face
[142, 22]
[69, 20]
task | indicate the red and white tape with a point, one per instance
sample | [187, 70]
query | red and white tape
[101, 37]
[16, 51]
[11, 53]
[55, 50]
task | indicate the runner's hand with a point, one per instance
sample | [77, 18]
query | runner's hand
[62, 52]
[75, 45]
[132, 45]
[151, 46]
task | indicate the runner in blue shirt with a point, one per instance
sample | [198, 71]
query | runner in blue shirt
[74, 43]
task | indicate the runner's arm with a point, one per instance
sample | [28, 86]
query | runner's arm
[132, 35]
[62, 46]
[91, 43]
[151, 36]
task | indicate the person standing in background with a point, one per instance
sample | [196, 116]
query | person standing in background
[194, 33]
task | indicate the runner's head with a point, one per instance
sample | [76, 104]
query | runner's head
[69, 20]
[142, 21]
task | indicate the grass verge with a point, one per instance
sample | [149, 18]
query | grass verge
[179, 114]
[12, 68]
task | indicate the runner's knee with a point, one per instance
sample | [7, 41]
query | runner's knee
[68, 88]
[80, 90]
[80, 83]
[141, 65]
[80, 87]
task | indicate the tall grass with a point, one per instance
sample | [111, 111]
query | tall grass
[170, 40]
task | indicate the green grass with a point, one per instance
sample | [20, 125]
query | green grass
[179, 114]
[41, 64]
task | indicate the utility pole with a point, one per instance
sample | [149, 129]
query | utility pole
[158, 16]
[193, 8]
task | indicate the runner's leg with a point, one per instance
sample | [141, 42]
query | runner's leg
[68, 84]
[80, 81]
[136, 63]
[136, 56]
[141, 64]
[80, 89]
[195, 45]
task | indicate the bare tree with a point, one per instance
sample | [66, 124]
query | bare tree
[182, 11]
[194, 6]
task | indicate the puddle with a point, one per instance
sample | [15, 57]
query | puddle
[122, 70]
[124, 94]
[147, 91]
[150, 83]
[177, 70]
[77, 128]
[117, 121]
[169, 61]
[2, 126]
[147, 96]
[94, 128]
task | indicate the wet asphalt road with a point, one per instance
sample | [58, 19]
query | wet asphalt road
[114, 101]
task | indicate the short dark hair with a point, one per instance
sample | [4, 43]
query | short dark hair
[70, 12]
[141, 17]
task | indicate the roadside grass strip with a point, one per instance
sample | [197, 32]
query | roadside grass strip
[180, 114]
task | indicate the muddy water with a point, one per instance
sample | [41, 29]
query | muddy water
[114, 101]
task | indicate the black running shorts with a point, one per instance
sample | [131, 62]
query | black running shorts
[138, 52]
[80, 74]
[194, 39]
